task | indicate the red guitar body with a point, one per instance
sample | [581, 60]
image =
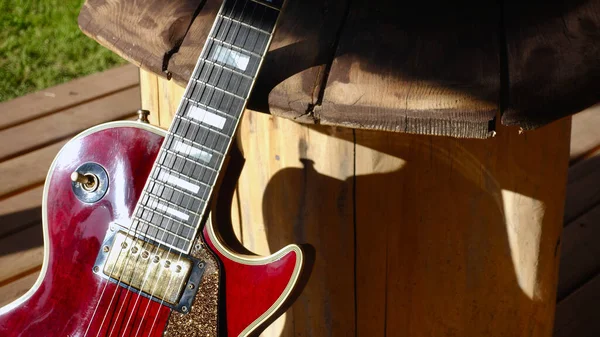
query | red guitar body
[69, 300]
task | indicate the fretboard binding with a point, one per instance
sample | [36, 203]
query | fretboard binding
[166, 216]
[189, 160]
[234, 47]
[162, 200]
[266, 5]
[245, 25]
[161, 229]
[210, 109]
[196, 144]
[219, 89]
[161, 166]
[191, 121]
[233, 70]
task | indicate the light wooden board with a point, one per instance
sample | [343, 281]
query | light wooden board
[414, 235]
[67, 95]
[65, 124]
[14, 290]
[585, 134]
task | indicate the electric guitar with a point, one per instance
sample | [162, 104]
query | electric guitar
[130, 243]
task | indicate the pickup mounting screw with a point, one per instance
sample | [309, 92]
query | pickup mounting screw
[96, 269]
[105, 249]
[184, 309]
[191, 286]
[201, 265]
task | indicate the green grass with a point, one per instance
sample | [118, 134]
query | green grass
[41, 46]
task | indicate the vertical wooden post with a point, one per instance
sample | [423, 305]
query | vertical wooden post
[413, 235]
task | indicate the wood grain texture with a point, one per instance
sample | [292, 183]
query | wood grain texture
[61, 97]
[466, 245]
[553, 59]
[394, 70]
[144, 33]
[68, 122]
[585, 138]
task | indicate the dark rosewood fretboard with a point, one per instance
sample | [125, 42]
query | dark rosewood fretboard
[177, 192]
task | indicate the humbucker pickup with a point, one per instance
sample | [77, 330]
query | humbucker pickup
[150, 269]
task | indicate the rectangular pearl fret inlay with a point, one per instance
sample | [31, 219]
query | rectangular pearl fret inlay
[173, 180]
[191, 151]
[207, 117]
[230, 57]
[172, 211]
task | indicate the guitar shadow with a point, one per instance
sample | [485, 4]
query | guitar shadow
[383, 260]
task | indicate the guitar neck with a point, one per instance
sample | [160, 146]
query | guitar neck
[184, 174]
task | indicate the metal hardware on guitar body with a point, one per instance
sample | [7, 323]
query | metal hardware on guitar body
[89, 182]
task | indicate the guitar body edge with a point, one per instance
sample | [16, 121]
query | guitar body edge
[68, 299]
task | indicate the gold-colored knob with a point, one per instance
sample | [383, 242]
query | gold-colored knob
[143, 116]
[89, 182]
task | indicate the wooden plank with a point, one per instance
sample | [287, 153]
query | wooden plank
[583, 188]
[466, 243]
[67, 123]
[395, 71]
[553, 60]
[150, 95]
[146, 34]
[289, 192]
[585, 138]
[67, 95]
[580, 252]
[15, 289]
[21, 252]
[577, 315]
[27, 211]
[27, 170]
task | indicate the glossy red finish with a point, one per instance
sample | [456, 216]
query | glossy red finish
[72, 301]
[250, 290]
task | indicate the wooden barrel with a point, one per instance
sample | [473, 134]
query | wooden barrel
[413, 235]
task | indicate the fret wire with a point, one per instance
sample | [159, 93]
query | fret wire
[231, 46]
[233, 70]
[208, 107]
[162, 229]
[195, 143]
[189, 160]
[163, 167]
[160, 199]
[155, 181]
[149, 224]
[164, 215]
[219, 89]
[245, 25]
[266, 5]
[185, 119]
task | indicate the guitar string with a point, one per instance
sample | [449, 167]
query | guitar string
[185, 130]
[172, 163]
[229, 99]
[135, 232]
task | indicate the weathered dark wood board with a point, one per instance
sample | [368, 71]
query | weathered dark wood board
[430, 68]
[553, 59]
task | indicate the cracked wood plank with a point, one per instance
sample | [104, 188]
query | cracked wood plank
[428, 69]
[553, 60]
[145, 33]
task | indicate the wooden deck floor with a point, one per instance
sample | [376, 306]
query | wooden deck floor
[33, 128]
